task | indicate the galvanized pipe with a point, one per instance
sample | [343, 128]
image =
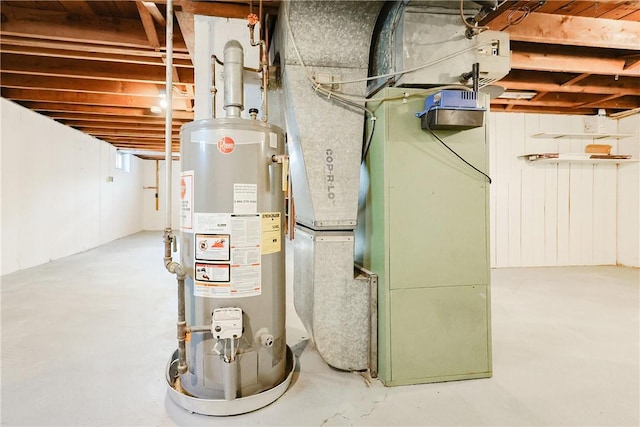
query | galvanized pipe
[233, 84]
[182, 329]
[230, 380]
[172, 266]
[168, 117]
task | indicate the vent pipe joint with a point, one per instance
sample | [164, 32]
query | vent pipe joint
[233, 84]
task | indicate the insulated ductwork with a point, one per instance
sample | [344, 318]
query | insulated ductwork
[320, 42]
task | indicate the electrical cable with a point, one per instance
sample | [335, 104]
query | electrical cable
[468, 25]
[367, 145]
[319, 88]
[456, 154]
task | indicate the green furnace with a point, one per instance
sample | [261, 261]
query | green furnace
[423, 228]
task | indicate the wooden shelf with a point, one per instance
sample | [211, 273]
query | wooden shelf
[610, 161]
[580, 135]
[574, 158]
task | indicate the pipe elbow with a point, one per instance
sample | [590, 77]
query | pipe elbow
[176, 268]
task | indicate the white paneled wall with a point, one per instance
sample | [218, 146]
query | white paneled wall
[56, 197]
[549, 214]
[629, 195]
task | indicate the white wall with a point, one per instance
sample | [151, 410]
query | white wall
[211, 34]
[547, 214]
[154, 219]
[55, 197]
[629, 195]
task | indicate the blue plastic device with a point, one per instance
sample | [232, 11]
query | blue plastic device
[451, 100]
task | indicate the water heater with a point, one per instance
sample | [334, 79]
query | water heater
[233, 356]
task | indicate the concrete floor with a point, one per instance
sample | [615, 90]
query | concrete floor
[85, 341]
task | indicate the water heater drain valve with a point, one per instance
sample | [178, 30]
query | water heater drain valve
[264, 337]
[226, 323]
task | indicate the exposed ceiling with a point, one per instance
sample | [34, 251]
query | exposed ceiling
[98, 66]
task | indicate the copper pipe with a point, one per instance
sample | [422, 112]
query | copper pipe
[214, 90]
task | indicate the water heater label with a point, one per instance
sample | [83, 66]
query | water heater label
[245, 198]
[271, 242]
[227, 255]
[186, 201]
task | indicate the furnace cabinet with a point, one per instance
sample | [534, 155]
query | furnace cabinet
[423, 227]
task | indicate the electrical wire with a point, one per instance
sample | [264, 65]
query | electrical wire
[367, 145]
[318, 87]
[468, 25]
[456, 154]
[419, 67]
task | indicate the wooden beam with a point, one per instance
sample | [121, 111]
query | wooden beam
[565, 63]
[78, 8]
[620, 103]
[45, 107]
[87, 98]
[126, 133]
[187, 26]
[600, 101]
[155, 12]
[50, 25]
[495, 108]
[576, 79]
[28, 81]
[112, 120]
[149, 26]
[572, 31]
[93, 56]
[88, 48]
[26, 64]
[554, 82]
[140, 125]
[538, 96]
[140, 142]
[225, 10]
[622, 10]
[631, 61]
[75, 47]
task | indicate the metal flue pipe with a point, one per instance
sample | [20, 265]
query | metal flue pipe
[233, 83]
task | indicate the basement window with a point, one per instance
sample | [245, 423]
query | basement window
[123, 161]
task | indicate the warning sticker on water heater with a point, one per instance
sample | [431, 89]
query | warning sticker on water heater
[212, 247]
[186, 201]
[227, 255]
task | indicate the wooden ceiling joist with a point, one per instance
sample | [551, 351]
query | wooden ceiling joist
[27, 64]
[148, 24]
[95, 56]
[117, 126]
[225, 9]
[51, 25]
[576, 79]
[80, 48]
[28, 81]
[572, 31]
[84, 98]
[555, 82]
[567, 63]
[111, 122]
[614, 103]
[98, 65]
[49, 107]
